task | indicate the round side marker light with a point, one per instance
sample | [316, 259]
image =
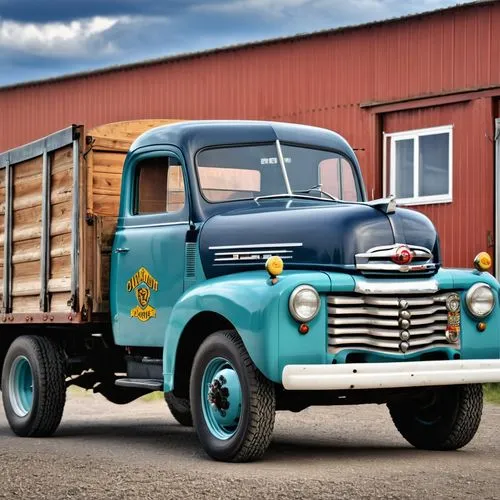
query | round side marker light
[482, 261]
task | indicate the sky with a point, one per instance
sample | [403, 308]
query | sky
[45, 38]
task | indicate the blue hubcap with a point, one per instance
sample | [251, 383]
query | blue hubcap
[21, 386]
[221, 398]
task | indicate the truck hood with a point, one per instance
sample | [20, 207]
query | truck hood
[323, 236]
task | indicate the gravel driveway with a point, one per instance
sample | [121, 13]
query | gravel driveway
[104, 451]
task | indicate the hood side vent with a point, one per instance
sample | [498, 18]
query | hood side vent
[190, 272]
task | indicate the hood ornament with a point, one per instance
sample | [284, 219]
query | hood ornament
[386, 205]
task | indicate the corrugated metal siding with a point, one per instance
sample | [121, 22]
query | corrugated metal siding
[319, 80]
[464, 224]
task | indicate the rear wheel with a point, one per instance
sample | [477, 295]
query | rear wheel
[233, 404]
[180, 409]
[33, 386]
[443, 418]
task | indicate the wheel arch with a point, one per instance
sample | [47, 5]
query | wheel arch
[198, 328]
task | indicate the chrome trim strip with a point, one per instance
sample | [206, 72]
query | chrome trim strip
[380, 267]
[390, 375]
[257, 245]
[384, 250]
[252, 252]
[159, 224]
[397, 286]
[254, 257]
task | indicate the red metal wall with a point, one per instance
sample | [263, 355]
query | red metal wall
[466, 224]
[319, 80]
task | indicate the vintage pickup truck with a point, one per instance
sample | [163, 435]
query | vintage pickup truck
[237, 267]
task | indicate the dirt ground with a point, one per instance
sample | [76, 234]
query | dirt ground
[103, 451]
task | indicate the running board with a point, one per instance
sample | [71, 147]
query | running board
[152, 384]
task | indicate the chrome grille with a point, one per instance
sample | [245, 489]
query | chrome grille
[388, 324]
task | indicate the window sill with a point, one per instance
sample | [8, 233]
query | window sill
[431, 200]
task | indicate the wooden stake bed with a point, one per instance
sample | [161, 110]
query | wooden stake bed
[59, 201]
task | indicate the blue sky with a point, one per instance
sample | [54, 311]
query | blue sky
[44, 38]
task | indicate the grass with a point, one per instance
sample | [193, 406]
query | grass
[492, 393]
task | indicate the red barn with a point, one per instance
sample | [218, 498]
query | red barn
[418, 97]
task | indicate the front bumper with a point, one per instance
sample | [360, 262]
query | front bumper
[390, 375]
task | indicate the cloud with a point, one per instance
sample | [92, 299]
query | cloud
[40, 39]
[57, 38]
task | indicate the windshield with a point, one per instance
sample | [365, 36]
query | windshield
[243, 172]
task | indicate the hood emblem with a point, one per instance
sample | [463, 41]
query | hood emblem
[402, 256]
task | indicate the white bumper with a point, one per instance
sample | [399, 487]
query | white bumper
[387, 375]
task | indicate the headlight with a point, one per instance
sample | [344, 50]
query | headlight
[304, 303]
[480, 300]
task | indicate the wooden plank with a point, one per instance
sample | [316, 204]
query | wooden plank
[106, 144]
[128, 130]
[111, 162]
[28, 168]
[108, 183]
[60, 267]
[106, 205]
[22, 270]
[59, 302]
[62, 159]
[26, 304]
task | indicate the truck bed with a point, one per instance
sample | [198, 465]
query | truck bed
[59, 201]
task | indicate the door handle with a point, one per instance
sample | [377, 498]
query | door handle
[121, 250]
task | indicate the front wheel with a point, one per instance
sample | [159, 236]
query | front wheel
[33, 386]
[442, 418]
[232, 403]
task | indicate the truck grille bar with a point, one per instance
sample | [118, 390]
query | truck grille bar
[387, 324]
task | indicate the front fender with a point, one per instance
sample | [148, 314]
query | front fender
[251, 303]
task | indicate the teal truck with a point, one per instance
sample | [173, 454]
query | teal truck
[237, 267]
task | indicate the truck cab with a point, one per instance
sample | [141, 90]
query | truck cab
[250, 274]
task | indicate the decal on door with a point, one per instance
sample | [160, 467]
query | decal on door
[142, 284]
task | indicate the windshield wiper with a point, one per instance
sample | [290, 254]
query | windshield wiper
[317, 188]
[292, 195]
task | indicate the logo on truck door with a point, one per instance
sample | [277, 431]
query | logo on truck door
[142, 284]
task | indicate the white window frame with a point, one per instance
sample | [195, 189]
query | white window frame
[415, 135]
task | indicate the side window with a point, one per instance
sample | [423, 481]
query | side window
[420, 165]
[159, 186]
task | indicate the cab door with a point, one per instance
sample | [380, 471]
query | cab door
[148, 250]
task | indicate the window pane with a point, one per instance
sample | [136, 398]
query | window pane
[239, 172]
[337, 178]
[175, 189]
[311, 171]
[152, 184]
[160, 186]
[404, 168]
[434, 156]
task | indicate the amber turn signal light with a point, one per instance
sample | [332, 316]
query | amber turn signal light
[481, 327]
[482, 262]
[274, 266]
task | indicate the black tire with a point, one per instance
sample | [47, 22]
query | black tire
[258, 401]
[445, 418]
[179, 408]
[47, 362]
